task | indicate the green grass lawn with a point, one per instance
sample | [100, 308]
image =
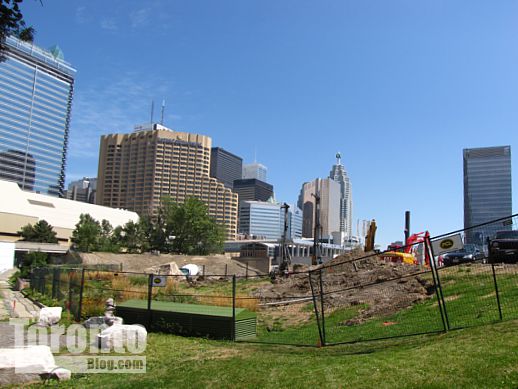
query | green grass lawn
[483, 354]
[480, 357]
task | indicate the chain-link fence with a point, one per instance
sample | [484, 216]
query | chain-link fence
[284, 308]
[432, 285]
[368, 298]
[478, 274]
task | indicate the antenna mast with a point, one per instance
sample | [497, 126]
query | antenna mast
[162, 118]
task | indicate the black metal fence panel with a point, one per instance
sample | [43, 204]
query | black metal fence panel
[473, 291]
[369, 298]
[284, 308]
[426, 287]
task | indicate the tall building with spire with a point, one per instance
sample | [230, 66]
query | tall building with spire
[339, 175]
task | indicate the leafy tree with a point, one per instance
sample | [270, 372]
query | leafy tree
[106, 241]
[87, 233]
[194, 231]
[154, 232]
[32, 260]
[40, 232]
[12, 23]
[134, 237]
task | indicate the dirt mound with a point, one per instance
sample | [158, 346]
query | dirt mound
[213, 264]
[380, 288]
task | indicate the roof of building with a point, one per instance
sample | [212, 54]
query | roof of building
[56, 211]
[54, 248]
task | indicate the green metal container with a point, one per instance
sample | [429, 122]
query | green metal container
[190, 319]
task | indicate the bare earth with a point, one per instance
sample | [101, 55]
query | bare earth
[214, 264]
[384, 288]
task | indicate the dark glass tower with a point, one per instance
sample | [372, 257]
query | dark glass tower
[487, 188]
[36, 88]
[225, 167]
[251, 189]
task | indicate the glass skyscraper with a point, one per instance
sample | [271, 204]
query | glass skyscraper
[487, 188]
[36, 88]
[225, 166]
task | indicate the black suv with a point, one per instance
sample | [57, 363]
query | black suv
[504, 247]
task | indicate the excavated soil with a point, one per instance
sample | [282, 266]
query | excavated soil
[380, 288]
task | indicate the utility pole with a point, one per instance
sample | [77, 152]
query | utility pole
[285, 255]
[316, 233]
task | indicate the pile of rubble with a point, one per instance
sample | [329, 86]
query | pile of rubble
[380, 288]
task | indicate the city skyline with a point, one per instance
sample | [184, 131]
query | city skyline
[400, 89]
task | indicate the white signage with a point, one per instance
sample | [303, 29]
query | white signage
[449, 243]
[159, 281]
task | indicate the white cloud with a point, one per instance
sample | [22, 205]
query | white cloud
[140, 18]
[109, 24]
[81, 15]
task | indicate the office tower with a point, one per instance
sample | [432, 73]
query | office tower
[18, 166]
[36, 88]
[83, 190]
[295, 218]
[225, 167]
[265, 219]
[252, 189]
[487, 189]
[329, 192]
[255, 170]
[261, 219]
[137, 170]
[339, 174]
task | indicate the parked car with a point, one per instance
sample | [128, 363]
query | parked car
[468, 254]
[504, 247]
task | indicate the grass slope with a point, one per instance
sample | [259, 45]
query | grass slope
[480, 357]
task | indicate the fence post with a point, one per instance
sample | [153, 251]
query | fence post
[233, 308]
[69, 305]
[497, 294]
[42, 280]
[226, 269]
[149, 298]
[203, 271]
[81, 289]
[54, 287]
[322, 308]
[317, 316]
[246, 276]
[438, 288]
[33, 279]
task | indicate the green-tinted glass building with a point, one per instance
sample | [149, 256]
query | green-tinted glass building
[36, 88]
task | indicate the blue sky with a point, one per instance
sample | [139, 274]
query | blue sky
[398, 87]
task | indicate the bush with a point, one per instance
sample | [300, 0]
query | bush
[32, 260]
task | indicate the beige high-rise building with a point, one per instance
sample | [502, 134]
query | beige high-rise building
[136, 170]
[329, 192]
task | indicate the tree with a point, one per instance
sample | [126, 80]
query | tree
[154, 231]
[87, 233]
[134, 237]
[40, 232]
[194, 231]
[12, 23]
[106, 241]
[30, 261]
